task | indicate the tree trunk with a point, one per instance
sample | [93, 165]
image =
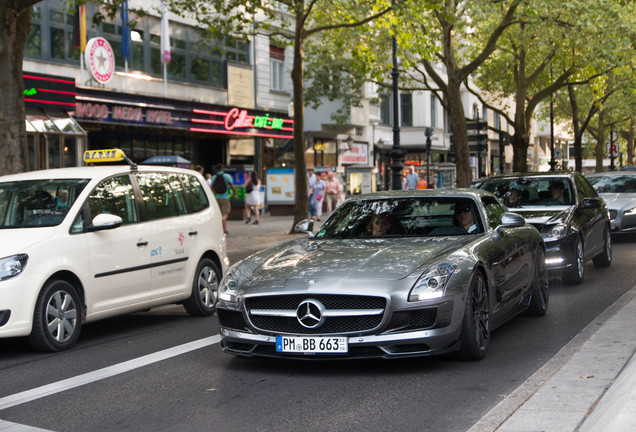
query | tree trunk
[460, 134]
[600, 141]
[631, 134]
[14, 27]
[576, 124]
[301, 209]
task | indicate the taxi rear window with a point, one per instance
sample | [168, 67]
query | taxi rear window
[37, 203]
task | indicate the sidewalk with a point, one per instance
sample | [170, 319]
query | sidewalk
[588, 386]
[270, 231]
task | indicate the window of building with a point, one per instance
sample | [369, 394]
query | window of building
[51, 37]
[433, 111]
[385, 109]
[406, 109]
[277, 68]
[497, 120]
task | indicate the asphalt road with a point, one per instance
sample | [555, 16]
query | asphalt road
[120, 376]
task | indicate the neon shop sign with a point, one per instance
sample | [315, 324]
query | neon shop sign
[239, 122]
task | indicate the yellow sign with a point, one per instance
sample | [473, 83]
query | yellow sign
[106, 155]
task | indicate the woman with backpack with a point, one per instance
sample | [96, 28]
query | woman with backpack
[221, 185]
[252, 197]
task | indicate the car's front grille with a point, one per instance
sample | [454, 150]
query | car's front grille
[613, 214]
[231, 319]
[277, 314]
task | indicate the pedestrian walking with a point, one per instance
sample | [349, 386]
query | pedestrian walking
[252, 198]
[311, 182]
[410, 183]
[333, 189]
[221, 185]
[319, 195]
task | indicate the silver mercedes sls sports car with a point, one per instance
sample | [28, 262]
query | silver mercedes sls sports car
[390, 274]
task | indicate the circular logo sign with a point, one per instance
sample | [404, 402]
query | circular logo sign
[100, 59]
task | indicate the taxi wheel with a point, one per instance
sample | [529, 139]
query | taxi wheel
[57, 317]
[205, 289]
[475, 335]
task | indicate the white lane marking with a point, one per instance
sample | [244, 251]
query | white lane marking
[107, 372]
[6, 426]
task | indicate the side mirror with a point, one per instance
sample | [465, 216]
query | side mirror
[105, 221]
[306, 226]
[592, 203]
[512, 220]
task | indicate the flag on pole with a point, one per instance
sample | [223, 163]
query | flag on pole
[79, 29]
[165, 34]
[125, 31]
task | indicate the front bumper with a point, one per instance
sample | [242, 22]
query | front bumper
[396, 337]
[560, 254]
[622, 223]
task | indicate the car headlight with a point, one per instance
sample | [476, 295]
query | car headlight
[555, 232]
[12, 266]
[631, 211]
[432, 283]
[229, 285]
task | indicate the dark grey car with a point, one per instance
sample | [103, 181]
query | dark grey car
[388, 275]
[565, 208]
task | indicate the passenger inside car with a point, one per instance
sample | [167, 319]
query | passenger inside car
[382, 224]
[464, 218]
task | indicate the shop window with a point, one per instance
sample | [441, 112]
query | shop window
[406, 109]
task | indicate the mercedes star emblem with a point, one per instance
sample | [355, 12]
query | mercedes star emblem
[310, 313]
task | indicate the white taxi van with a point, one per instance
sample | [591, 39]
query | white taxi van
[81, 244]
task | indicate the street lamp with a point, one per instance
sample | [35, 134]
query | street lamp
[397, 154]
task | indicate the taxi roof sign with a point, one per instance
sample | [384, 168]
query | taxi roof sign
[107, 155]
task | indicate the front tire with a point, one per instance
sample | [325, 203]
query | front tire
[57, 318]
[540, 287]
[604, 259]
[475, 335]
[205, 289]
[575, 274]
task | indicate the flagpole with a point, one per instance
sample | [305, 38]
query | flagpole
[165, 80]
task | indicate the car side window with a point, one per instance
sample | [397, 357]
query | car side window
[157, 195]
[178, 192]
[196, 195]
[494, 211]
[116, 196]
[584, 189]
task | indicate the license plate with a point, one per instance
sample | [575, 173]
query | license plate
[311, 344]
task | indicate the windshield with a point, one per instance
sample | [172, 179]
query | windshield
[37, 203]
[607, 184]
[404, 217]
[528, 192]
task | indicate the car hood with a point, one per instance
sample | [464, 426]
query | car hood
[385, 259]
[544, 216]
[13, 241]
[619, 201]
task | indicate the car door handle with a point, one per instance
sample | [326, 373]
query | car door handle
[193, 233]
[142, 243]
